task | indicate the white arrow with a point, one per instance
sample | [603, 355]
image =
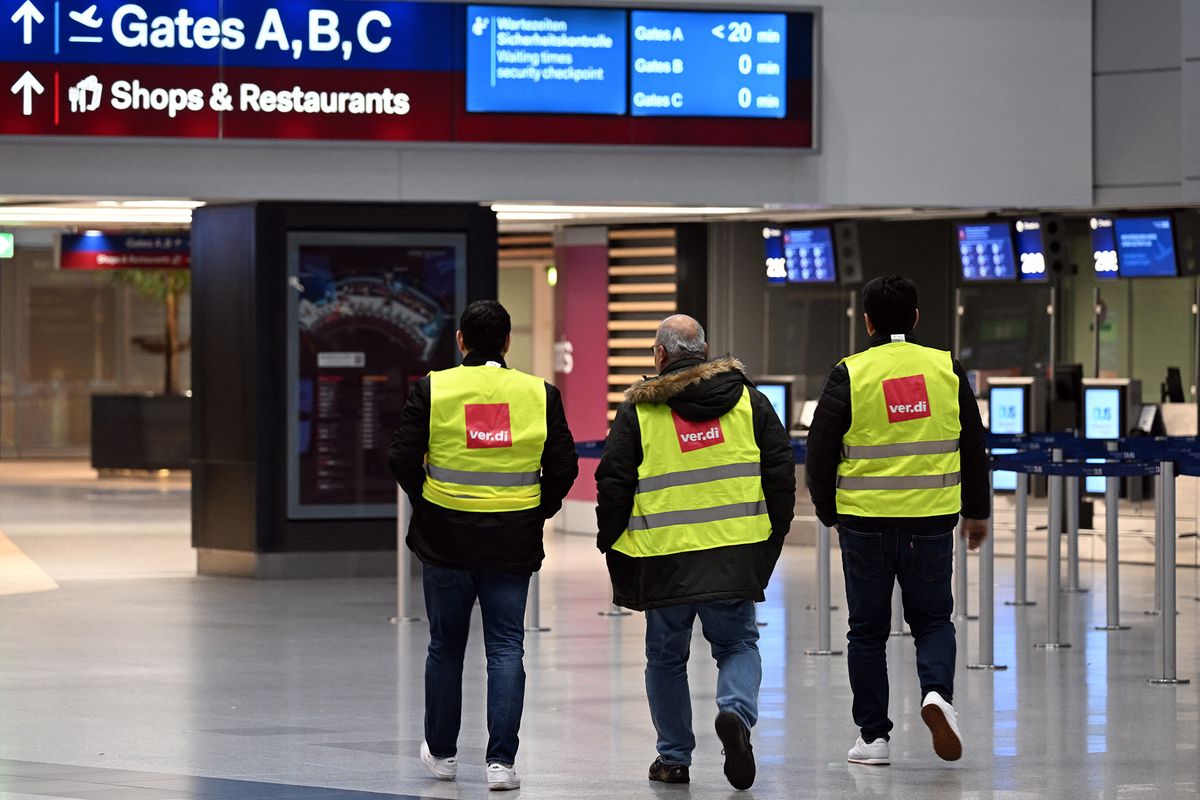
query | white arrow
[29, 14]
[27, 84]
[719, 31]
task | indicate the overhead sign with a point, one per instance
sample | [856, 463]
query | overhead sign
[8, 247]
[94, 250]
[711, 64]
[401, 71]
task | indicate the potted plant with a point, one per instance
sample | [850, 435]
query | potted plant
[148, 432]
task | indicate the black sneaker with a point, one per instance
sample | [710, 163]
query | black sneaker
[739, 755]
[669, 773]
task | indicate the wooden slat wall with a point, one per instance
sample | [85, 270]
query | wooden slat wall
[641, 292]
[526, 250]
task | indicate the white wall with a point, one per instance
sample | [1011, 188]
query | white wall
[929, 102]
[1139, 100]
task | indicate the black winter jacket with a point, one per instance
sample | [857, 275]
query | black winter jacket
[698, 391]
[508, 541]
[832, 420]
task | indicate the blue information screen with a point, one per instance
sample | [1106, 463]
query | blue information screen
[1145, 247]
[1006, 414]
[1102, 420]
[1030, 257]
[708, 64]
[1104, 248]
[986, 252]
[539, 59]
[777, 393]
[800, 255]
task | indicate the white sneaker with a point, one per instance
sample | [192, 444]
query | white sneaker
[444, 769]
[502, 778]
[943, 724]
[876, 753]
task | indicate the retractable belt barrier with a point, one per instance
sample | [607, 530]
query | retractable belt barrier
[1063, 458]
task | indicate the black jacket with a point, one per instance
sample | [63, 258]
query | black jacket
[832, 420]
[508, 541]
[697, 391]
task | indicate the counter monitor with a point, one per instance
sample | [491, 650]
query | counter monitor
[1145, 247]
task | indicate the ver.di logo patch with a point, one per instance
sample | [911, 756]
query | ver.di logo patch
[488, 425]
[697, 435]
[906, 398]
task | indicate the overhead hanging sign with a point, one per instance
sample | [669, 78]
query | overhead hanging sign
[404, 71]
[96, 250]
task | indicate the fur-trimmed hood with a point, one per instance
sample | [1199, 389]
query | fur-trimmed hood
[701, 391]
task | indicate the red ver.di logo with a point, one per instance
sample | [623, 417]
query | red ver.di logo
[697, 435]
[488, 425]
[906, 398]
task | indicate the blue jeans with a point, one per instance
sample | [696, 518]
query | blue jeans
[729, 627]
[449, 597]
[872, 563]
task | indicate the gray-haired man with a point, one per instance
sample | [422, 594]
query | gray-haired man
[696, 489]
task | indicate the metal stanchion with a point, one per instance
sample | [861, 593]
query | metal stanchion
[1021, 538]
[1166, 486]
[1072, 486]
[1112, 564]
[987, 600]
[406, 595]
[898, 612]
[615, 610]
[961, 606]
[1053, 559]
[533, 606]
[824, 612]
[1158, 552]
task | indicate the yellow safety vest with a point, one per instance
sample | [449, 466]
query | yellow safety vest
[699, 484]
[900, 457]
[487, 428]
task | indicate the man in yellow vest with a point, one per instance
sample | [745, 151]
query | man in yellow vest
[895, 453]
[485, 456]
[696, 491]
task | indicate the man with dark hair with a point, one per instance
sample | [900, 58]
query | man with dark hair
[696, 489]
[485, 456]
[895, 453]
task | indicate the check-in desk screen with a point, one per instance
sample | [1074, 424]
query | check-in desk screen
[1006, 414]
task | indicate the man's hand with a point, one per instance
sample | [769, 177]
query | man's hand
[974, 531]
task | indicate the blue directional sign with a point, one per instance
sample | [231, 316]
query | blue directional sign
[541, 59]
[708, 64]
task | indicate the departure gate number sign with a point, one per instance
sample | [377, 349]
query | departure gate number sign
[376, 69]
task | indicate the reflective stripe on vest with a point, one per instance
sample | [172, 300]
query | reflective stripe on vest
[487, 428]
[900, 457]
[699, 484]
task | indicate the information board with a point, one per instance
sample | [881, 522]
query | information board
[401, 71]
[1030, 256]
[1145, 247]
[541, 59]
[986, 251]
[115, 250]
[1101, 420]
[373, 313]
[1104, 248]
[712, 64]
[800, 255]
[1006, 414]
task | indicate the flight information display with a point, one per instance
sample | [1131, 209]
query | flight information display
[1030, 255]
[708, 64]
[546, 60]
[1006, 414]
[1145, 247]
[1104, 248]
[986, 251]
[800, 255]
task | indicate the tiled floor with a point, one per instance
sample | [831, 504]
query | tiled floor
[159, 688]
